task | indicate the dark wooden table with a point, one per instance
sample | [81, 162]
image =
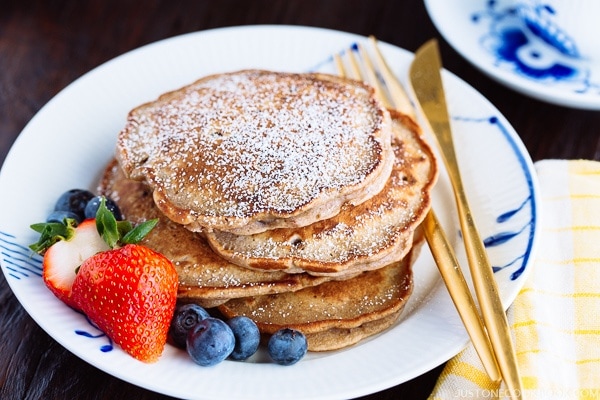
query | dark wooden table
[47, 44]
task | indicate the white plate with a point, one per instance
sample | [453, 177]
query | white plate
[67, 144]
[491, 36]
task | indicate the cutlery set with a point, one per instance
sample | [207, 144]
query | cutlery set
[489, 331]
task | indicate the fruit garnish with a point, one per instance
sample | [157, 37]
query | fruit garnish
[130, 294]
[91, 208]
[287, 346]
[247, 337]
[210, 341]
[128, 290]
[185, 318]
[74, 201]
[71, 246]
[66, 245]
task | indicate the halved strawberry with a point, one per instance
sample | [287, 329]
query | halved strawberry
[130, 293]
[128, 290]
[63, 258]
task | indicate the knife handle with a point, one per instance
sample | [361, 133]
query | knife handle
[492, 309]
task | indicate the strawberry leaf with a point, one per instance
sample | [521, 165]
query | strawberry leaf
[123, 227]
[139, 232]
[52, 232]
[107, 225]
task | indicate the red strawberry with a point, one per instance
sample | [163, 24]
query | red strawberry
[130, 293]
[62, 259]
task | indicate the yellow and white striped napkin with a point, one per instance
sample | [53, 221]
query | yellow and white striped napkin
[555, 319]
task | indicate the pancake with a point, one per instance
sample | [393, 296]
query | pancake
[249, 151]
[361, 237]
[334, 314]
[339, 338]
[204, 277]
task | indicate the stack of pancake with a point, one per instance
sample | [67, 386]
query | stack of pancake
[293, 199]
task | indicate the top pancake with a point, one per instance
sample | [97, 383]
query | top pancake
[360, 237]
[249, 151]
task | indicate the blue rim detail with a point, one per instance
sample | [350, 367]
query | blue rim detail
[19, 260]
[505, 236]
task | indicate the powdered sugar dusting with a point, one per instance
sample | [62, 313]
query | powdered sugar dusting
[359, 237]
[249, 142]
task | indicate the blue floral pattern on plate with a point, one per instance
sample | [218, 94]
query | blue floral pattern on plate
[525, 39]
[520, 46]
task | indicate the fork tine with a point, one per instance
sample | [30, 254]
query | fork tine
[341, 60]
[397, 92]
[371, 78]
[339, 65]
[356, 72]
[390, 91]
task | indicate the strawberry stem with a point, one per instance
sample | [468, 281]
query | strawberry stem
[52, 232]
[106, 224]
[117, 233]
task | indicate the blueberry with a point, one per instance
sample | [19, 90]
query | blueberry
[287, 346]
[247, 337]
[210, 341]
[60, 216]
[186, 316]
[94, 203]
[75, 201]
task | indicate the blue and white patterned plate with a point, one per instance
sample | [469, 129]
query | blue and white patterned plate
[535, 57]
[68, 143]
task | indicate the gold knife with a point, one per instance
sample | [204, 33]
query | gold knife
[426, 80]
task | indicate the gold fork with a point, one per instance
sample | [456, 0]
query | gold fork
[392, 94]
